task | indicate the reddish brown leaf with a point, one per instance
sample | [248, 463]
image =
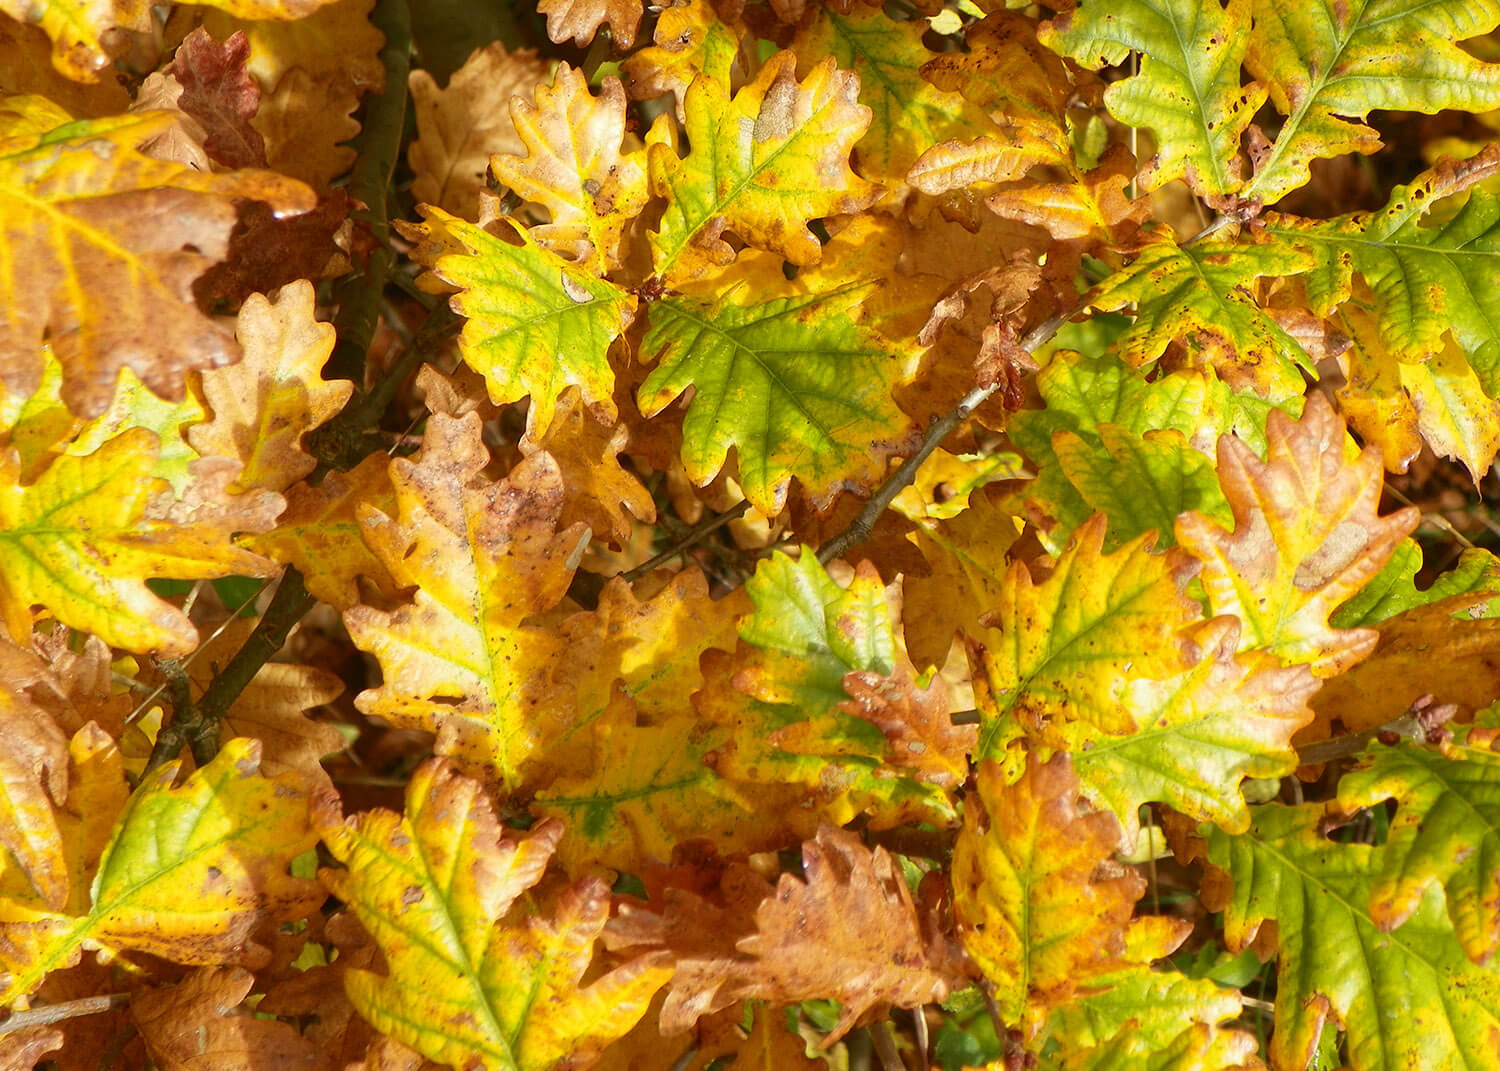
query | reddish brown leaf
[221, 96]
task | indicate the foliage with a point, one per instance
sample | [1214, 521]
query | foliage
[778, 534]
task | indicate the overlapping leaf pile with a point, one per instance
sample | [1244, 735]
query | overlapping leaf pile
[809, 534]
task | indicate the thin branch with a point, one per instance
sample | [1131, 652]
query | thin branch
[863, 524]
[885, 1046]
[201, 726]
[1424, 722]
[689, 538]
[48, 1014]
[359, 294]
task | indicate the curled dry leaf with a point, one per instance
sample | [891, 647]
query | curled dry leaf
[851, 931]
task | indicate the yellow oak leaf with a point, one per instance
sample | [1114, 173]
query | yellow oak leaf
[1307, 536]
[79, 540]
[574, 168]
[462, 986]
[967, 556]
[320, 533]
[690, 39]
[1440, 648]
[460, 126]
[909, 113]
[1037, 903]
[1070, 644]
[601, 493]
[649, 787]
[647, 649]
[227, 833]
[26, 67]
[97, 794]
[275, 394]
[112, 241]
[793, 166]
[459, 661]
[1396, 404]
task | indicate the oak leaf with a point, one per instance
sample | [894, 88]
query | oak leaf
[795, 385]
[319, 533]
[601, 493]
[459, 660]
[850, 931]
[783, 698]
[1070, 645]
[581, 19]
[649, 786]
[1334, 959]
[1446, 830]
[1037, 907]
[220, 95]
[465, 985]
[575, 169]
[1188, 87]
[1307, 535]
[33, 781]
[908, 112]
[79, 541]
[1201, 296]
[83, 204]
[461, 125]
[227, 832]
[691, 38]
[535, 324]
[192, 1026]
[1325, 67]
[764, 188]
[275, 394]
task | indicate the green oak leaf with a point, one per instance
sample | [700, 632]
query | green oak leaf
[1188, 90]
[1407, 998]
[1326, 64]
[795, 385]
[1446, 830]
[536, 323]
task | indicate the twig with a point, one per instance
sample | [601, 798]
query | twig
[48, 1014]
[1424, 722]
[341, 443]
[863, 524]
[359, 294]
[919, 1033]
[885, 1046]
[201, 726]
[692, 536]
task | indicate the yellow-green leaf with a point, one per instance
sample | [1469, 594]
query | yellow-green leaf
[761, 165]
[78, 541]
[461, 987]
[537, 323]
[192, 874]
